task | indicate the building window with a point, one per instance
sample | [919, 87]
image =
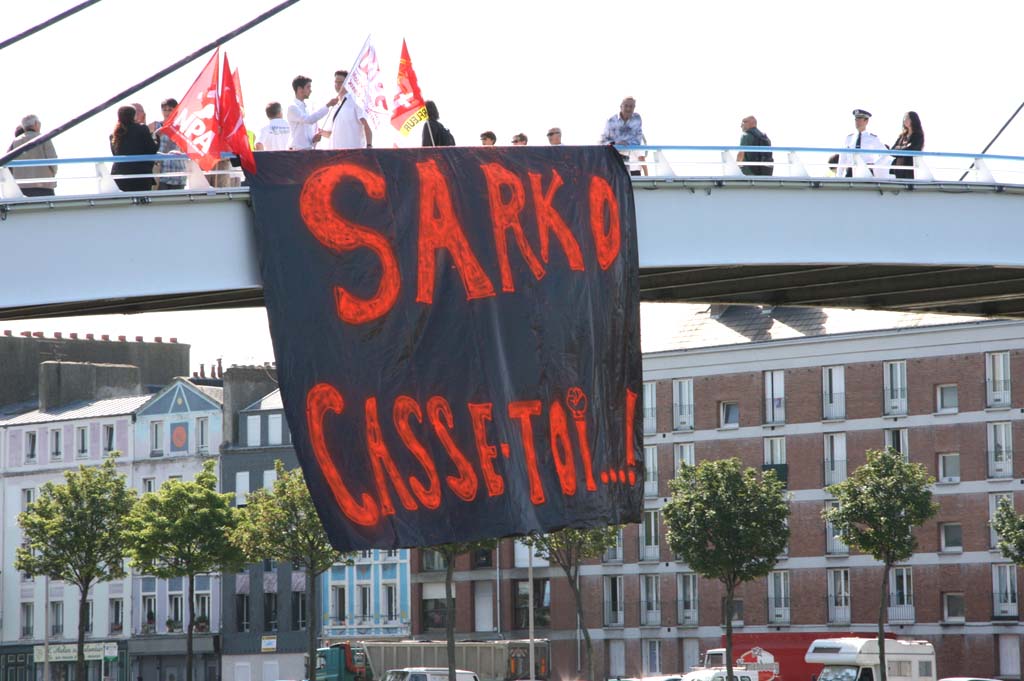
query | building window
[649, 535]
[270, 612]
[432, 561]
[27, 623]
[952, 537]
[156, 437]
[389, 600]
[30, 445]
[108, 439]
[839, 596]
[175, 611]
[994, 500]
[203, 433]
[833, 546]
[82, 442]
[116, 615]
[202, 585]
[28, 495]
[241, 487]
[997, 379]
[651, 471]
[835, 458]
[682, 403]
[650, 600]
[1000, 450]
[778, 597]
[481, 559]
[364, 604]
[148, 605]
[57, 618]
[946, 399]
[269, 478]
[274, 429]
[774, 396]
[901, 595]
[774, 451]
[1004, 590]
[895, 388]
[56, 445]
[88, 616]
[652, 656]
[650, 407]
[252, 430]
[729, 415]
[613, 610]
[339, 604]
[613, 554]
[682, 453]
[686, 588]
[949, 467]
[434, 613]
[734, 610]
[298, 610]
[953, 607]
[541, 603]
[148, 485]
[898, 439]
[242, 618]
[833, 393]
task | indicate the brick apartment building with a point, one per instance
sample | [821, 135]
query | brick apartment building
[804, 391]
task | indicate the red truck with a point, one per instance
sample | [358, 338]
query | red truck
[785, 653]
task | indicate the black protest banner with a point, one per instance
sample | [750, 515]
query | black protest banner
[457, 338]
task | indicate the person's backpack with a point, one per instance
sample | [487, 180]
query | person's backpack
[760, 140]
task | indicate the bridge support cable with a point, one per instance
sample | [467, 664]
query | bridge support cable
[989, 145]
[120, 96]
[46, 24]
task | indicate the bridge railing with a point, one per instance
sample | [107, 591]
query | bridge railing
[92, 176]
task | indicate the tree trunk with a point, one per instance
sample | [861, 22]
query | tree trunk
[83, 616]
[730, 589]
[881, 623]
[310, 615]
[449, 613]
[588, 646]
[191, 626]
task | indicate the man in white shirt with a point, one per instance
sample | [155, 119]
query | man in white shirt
[276, 134]
[347, 126]
[862, 139]
[303, 123]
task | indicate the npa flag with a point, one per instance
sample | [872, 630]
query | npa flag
[193, 126]
[457, 334]
[365, 83]
[407, 109]
[232, 127]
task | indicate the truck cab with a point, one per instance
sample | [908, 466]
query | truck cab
[858, 659]
[342, 662]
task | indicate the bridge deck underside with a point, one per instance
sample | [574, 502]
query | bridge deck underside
[986, 291]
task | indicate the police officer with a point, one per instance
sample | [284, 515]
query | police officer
[862, 139]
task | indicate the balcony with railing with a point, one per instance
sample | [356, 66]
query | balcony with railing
[650, 420]
[26, 631]
[650, 552]
[1004, 605]
[541, 616]
[835, 470]
[613, 554]
[781, 471]
[651, 485]
[774, 410]
[686, 613]
[57, 629]
[901, 608]
[650, 613]
[997, 394]
[833, 546]
[778, 610]
[683, 416]
[613, 616]
[833, 406]
[1000, 462]
[838, 609]
[894, 401]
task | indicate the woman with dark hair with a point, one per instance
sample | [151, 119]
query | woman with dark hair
[911, 139]
[435, 134]
[132, 139]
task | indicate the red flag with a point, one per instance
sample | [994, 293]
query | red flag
[408, 108]
[193, 125]
[232, 127]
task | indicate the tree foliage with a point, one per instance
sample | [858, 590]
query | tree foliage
[728, 524]
[568, 549]
[880, 504]
[282, 524]
[183, 530]
[1009, 526]
[72, 532]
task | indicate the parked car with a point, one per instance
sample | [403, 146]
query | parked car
[428, 674]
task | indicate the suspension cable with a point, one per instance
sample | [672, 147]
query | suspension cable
[49, 22]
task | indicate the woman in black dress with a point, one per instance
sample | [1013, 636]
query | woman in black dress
[132, 139]
[910, 139]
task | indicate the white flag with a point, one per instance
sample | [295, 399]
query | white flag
[365, 83]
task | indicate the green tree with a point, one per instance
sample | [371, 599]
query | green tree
[282, 523]
[72, 532]
[183, 530]
[568, 548]
[728, 524]
[449, 552]
[880, 504]
[1009, 527]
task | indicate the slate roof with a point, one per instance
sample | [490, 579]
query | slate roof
[269, 402]
[117, 406]
[680, 326]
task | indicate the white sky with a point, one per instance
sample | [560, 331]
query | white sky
[695, 69]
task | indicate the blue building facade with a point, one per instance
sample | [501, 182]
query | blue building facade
[369, 597]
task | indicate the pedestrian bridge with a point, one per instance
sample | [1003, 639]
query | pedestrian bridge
[949, 240]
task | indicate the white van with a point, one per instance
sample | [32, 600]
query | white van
[856, 659]
[428, 674]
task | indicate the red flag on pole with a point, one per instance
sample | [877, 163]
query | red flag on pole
[408, 108]
[232, 127]
[193, 125]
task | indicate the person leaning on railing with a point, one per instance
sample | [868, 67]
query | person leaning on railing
[132, 139]
[30, 126]
[911, 139]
